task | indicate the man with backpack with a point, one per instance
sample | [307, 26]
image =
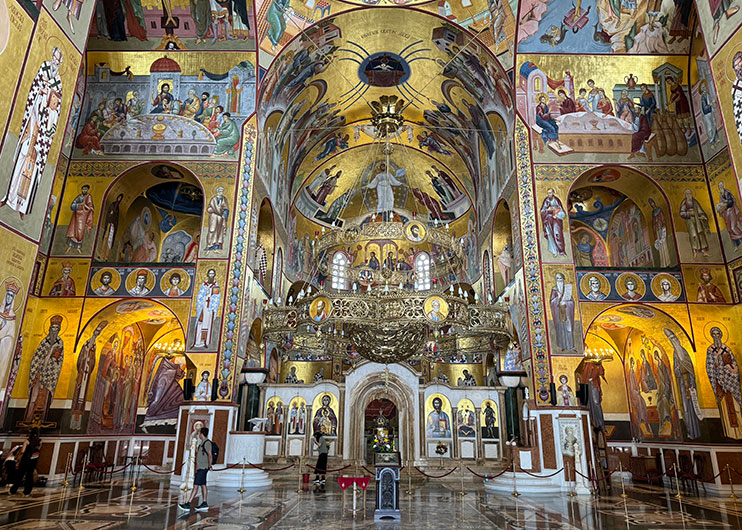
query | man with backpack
[205, 456]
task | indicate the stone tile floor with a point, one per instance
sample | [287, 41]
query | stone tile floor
[432, 505]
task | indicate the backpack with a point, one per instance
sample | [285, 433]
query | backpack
[214, 451]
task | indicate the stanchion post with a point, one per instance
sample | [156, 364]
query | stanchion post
[461, 468]
[408, 491]
[82, 471]
[623, 487]
[515, 488]
[136, 474]
[67, 465]
[731, 484]
[677, 481]
[242, 477]
[299, 488]
[570, 483]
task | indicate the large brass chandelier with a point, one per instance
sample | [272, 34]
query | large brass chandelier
[385, 315]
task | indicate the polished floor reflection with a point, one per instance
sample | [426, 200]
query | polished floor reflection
[432, 505]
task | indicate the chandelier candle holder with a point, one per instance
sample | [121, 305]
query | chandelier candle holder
[598, 355]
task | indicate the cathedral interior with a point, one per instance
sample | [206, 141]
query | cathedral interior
[503, 280]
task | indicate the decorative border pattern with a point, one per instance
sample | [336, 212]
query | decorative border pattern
[531, 266]
[237, 262]
[570, 172]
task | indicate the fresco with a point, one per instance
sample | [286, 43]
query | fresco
[706, 103]
[325, 414]
[565, 330]
[727, 68]
[637, 109]
[32, 142]
[206, 308]
[150, 25]
[145, 104]
[707, 284]
[660, 27]
[73, 16]
[719, 19]
[16, 272]
[16, 27]
[725, 198]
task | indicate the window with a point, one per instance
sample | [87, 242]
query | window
[422, 272]
[339, 271]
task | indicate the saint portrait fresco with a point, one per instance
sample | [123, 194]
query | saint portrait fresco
[320, 309]
[436, 309]
[438, 417]
[325, 418]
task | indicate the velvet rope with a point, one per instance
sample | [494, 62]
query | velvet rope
[329, 470]
[490, 477]
[542, 476]
[271, 470]
[433, 476]
[103, 468]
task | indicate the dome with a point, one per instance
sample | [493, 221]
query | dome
[164, 64]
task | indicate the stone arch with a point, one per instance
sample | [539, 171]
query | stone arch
[372, 386]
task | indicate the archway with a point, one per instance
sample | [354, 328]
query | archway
[152, 214]
[502, 247]
[136, 380]
[650, 389]
[620, 218]
[265, 246]
[376, 385]
[380, 416]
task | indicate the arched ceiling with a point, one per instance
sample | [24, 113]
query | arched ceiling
[315, 105]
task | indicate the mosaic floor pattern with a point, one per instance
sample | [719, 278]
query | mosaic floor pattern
[432, 505]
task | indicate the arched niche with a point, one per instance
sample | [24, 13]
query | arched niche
[265, 246]
[130, 368]
[152, 214]
[654, 379]
[620, 218]
[502, 247]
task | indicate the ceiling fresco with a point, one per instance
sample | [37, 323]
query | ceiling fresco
[314, 106]
[493, 21]
[660, 27]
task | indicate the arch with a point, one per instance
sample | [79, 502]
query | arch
[265, 245]
[129, 229]
[654, 377]
[502, 247]
[620, 217]
[372, 387]
[132, 370]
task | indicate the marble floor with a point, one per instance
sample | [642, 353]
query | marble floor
[432, 505]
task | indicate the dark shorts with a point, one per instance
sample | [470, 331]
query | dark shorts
[200, 478]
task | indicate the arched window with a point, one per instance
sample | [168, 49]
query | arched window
[422, 272]
[339, 272]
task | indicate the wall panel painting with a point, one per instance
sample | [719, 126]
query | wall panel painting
[33, 140]
[719, 20]
[727, 68]
[149, 104]
[15, 32]
[15, 276]
[636, 109]
[73, 16]
[206, 307]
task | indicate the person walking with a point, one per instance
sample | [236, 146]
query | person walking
[320, 441]
[203, 465]
[9, 465]
[29, 454]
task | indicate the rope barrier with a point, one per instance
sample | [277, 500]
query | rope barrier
[271, 470]
[542, 476]
[433, 476]
[367, 470]
[489, 477]
[328, 470]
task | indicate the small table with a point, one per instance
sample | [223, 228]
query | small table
[345, 482]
